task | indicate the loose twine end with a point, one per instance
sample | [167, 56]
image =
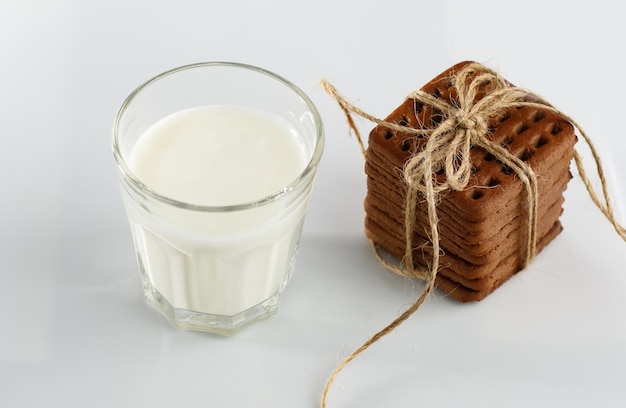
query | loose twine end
[447, 148]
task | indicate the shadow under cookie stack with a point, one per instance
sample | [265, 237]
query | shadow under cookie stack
[482, 228]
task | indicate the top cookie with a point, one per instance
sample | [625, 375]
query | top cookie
[537, 136]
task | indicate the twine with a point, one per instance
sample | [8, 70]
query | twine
[447, 149]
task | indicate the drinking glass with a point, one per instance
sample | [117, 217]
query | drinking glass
[216, 268]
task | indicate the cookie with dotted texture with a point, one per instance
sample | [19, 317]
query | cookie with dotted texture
[482, 227]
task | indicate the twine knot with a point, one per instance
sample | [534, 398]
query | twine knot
[464, 124]
[447, 150]
[468, 122]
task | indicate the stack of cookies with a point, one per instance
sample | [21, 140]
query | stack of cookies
[483, 228]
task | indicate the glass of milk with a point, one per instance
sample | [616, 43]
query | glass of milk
[216, 163]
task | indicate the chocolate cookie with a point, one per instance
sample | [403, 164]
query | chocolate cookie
[482, 228]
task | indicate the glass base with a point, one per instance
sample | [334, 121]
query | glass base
[218, 324]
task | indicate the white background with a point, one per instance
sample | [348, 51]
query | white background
[74, 328]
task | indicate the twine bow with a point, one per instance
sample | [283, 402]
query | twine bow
[464, 124]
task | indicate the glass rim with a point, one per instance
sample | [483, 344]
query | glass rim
[304, 174]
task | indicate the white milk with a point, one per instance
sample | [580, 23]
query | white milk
[219, 263]
[218, 155]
